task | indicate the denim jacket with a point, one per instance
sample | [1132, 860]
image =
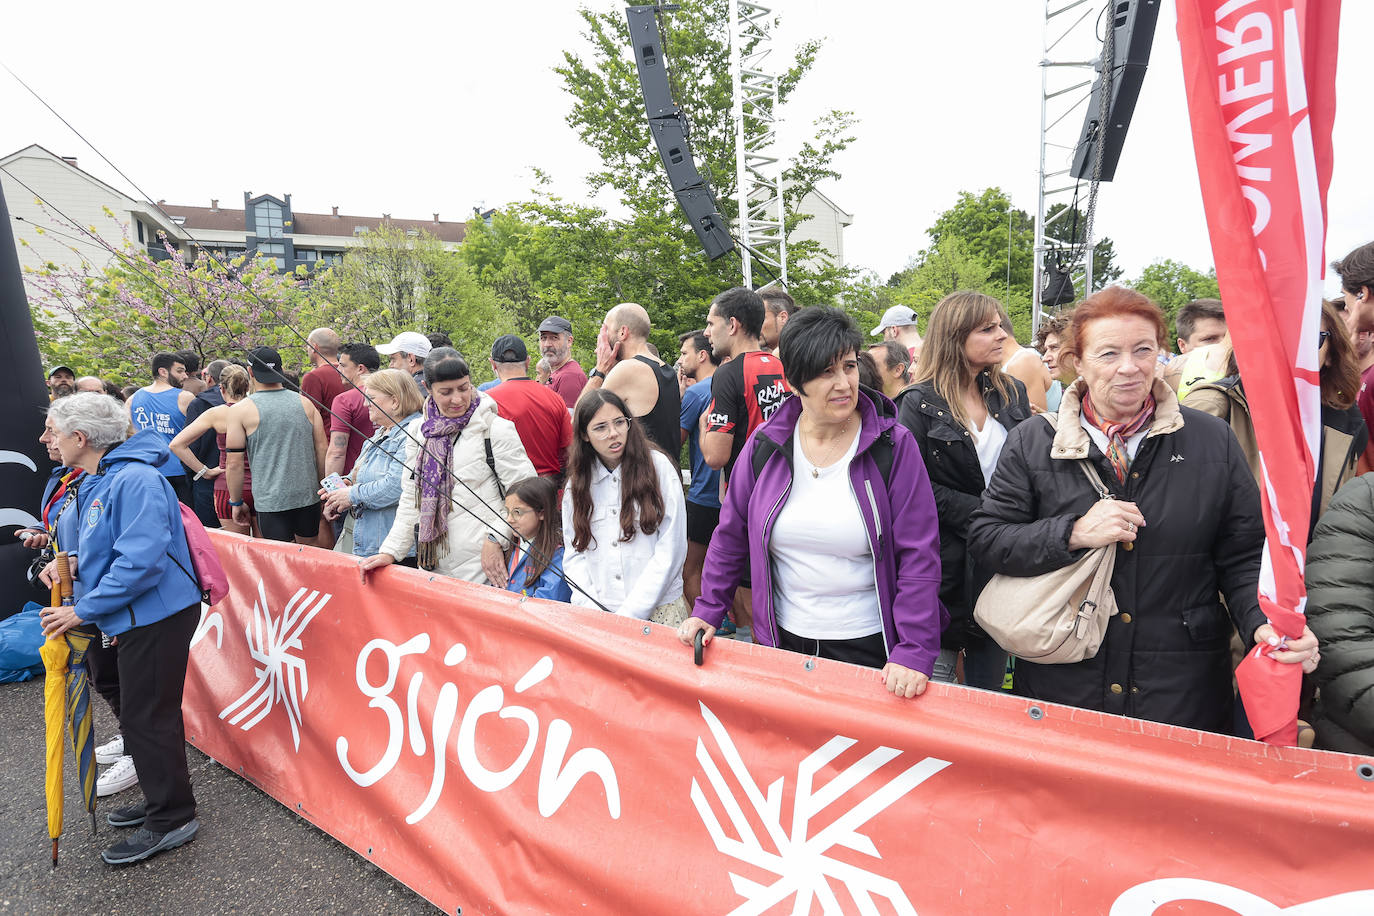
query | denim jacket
[376, 487]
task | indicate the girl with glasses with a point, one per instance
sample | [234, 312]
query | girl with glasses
[535, 560]
[624, 515]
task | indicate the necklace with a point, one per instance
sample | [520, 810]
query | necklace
[816, 471]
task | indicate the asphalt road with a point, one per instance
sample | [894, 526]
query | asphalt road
[252, 855]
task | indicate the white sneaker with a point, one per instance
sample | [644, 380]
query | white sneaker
[117, 778]
[110, 751]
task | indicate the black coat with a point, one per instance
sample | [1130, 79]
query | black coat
[1166, 655]
[957, 481]
[1340, 610]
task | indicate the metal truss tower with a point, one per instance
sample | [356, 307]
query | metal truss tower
[758, 171]
[1073, 54]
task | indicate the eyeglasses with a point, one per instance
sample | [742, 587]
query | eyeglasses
[1322, 338]
[608, 429]
[517, 513]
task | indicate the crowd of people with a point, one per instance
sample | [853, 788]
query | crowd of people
[837, 498]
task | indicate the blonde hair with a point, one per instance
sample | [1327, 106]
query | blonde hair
[943, 362]
[234, 382]
[399, 385]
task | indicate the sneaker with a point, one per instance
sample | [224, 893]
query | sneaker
[110, 751]
[117, 778]
[127, 816]
[143, 843]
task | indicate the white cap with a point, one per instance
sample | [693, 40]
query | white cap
[412, 342]
[899, 316]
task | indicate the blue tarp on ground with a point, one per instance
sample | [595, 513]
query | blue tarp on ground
[20, 638]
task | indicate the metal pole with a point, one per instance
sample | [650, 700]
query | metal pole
[782, 207]
[741, 178]
[1038, 277]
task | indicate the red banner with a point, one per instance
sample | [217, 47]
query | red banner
[1261, 84]
[519, 756]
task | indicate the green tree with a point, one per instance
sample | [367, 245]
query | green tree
[397, 281]
[652, 256]
[1173, 285]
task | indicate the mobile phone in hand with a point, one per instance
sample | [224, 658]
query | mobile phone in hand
[333, 482]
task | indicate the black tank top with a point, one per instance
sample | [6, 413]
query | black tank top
[662, 424]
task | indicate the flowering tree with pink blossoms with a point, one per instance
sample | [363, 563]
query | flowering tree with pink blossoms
[110, 321]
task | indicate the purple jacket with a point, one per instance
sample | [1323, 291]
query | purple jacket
[903, 531]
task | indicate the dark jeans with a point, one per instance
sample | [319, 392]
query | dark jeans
[868, 651]
[203, 502]
[152, 674]
[103, 665]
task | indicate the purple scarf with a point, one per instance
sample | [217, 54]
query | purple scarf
[436, 478]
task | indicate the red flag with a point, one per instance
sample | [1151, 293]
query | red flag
[1260, 78]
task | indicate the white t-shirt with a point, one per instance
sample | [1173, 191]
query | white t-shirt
[824, 584]
[988, 442]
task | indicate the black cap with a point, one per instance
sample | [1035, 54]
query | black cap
[556, 325]
[265, 364]
[509, 349]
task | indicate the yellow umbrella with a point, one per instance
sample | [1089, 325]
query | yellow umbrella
[67, 707]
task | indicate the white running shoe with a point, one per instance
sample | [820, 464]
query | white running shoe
[117, 778]
[110, 751]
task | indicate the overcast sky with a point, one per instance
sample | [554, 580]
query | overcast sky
[445, 106]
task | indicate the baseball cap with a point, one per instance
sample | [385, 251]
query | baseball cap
[556, 325]
[899, 316]
[509, 349]
[412, 342]
[265, 364]
[56, 369]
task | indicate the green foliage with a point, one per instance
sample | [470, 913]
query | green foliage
[1173, 285]
[1067, 227]
[983, 243]
[549, 255]
[397, 281]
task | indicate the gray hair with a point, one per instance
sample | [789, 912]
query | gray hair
[99, 417]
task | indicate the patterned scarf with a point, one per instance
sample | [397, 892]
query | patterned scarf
[436, 482]
[1118, 433]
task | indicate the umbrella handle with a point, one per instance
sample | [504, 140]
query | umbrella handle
[62, 588]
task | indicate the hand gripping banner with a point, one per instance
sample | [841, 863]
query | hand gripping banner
[1260, 77]
[509, 756]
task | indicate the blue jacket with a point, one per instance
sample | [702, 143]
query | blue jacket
[377, 481]
[550, 583]
[129, 530]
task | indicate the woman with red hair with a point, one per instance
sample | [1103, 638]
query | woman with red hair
[1183, 510]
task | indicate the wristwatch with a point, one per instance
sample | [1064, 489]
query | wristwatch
[205, 469]
[235, 503]
[596, 373]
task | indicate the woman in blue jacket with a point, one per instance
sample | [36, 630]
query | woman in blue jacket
[374, 484]
[134, 581]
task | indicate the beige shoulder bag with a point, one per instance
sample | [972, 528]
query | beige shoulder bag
[1058, 617]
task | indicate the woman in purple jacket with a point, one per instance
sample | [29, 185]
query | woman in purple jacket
[830, 509]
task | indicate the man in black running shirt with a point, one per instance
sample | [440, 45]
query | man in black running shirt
[647, 385]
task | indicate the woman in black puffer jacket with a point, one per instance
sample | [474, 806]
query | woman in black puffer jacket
[960, 409]
[1340, 610]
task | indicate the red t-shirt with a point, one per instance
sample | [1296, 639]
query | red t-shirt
[351, 408]
[568, 380]
[541, 418]
[1365, 402]
[322, 385]
[745, 392]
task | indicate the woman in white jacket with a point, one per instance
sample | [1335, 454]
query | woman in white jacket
[452, 518]
[624, 516]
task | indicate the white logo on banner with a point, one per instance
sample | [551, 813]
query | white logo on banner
[559, 773]
[1144, 899]
[281, 675]
[800, 859]
[17, 517]
[209, 621]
